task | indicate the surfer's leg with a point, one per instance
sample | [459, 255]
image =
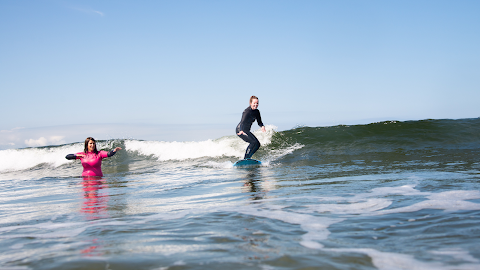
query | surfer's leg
[251, 149]
[253, 146]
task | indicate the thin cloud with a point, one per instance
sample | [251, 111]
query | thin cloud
[10, 143]
[11, 130]
[98, 12]
[89, 11]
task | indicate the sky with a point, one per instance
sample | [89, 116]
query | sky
[185, 70]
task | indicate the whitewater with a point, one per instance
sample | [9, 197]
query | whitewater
[387, 195]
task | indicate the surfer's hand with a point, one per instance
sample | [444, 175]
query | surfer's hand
[116, 149]
[241, 133]
[263, 129]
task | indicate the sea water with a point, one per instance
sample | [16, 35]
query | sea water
[388, 195]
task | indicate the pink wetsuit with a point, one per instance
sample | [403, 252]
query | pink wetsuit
[92, 163]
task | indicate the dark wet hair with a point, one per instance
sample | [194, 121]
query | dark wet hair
[87, 140]
[252, 98]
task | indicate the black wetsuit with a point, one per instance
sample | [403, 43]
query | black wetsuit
[248, 117]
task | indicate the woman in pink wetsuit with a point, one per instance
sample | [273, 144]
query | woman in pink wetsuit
[92, 158]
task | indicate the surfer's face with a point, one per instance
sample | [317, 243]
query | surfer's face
[91, 146]
[254, 104]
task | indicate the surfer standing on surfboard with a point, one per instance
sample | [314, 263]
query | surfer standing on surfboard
[249, 116]
[92, 158]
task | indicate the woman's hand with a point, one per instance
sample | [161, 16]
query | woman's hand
[263, 129]
[116, 149]
[241, 133]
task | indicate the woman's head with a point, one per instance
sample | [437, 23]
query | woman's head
[254, 102]
[90, 145]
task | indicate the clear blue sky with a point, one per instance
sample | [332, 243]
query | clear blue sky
[197, 62]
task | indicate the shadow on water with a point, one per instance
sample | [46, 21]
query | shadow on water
[253, 184]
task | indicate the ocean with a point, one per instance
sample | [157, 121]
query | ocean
[386, 195]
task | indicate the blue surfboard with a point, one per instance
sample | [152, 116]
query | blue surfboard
[247, 162]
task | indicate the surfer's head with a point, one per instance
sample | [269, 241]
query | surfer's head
[254, 102]
[90, 145]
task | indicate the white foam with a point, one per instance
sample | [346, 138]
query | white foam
[220, 165]
[17, 246]
[364, 203]
[407, 190]
[456, 253]
[183, 150]
[226, 146]
[456, 195]
[316, 227]
[447, 205]
[396, 261]
[21, 159]
[367, 206]
[278, 153]
[229, 146]
[448, 201]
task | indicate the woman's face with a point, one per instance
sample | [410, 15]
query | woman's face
[254, 104]
[91, 146]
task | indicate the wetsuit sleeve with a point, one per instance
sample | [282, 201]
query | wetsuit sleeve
[103, 154]
[111, 153]
[71, 156]
[259, 119]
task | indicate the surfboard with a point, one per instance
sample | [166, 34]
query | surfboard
[247, 162]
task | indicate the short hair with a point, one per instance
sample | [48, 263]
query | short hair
[252, 98]
[87, 140]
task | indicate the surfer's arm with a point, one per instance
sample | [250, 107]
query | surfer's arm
[259, 121]
[111, 153]
[75, 156]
